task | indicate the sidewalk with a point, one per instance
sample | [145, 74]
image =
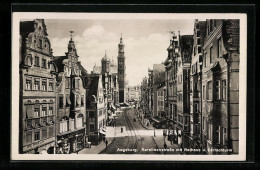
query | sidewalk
[149, 127]
[96, 149]
[159, 141]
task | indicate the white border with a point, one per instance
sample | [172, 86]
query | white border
[17, 16]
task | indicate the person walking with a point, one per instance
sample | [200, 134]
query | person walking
[106, 143]
[165, 147]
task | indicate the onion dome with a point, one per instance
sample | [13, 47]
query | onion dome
[105, 58]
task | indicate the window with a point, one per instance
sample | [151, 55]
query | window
[92, 127]
[73, 84]
[82, 101]
[40, 43]
[204, 92]
[36, 135]
[100, 112]
[77, 101]
[203, 123]
[44, 85]
[218, 134]
[199, 50]
[210, 54]
[209, 91]
[205, 60]
[100, 100]
[224, 135]
[37, 61]
[195, 86]
[72, 124]
[44, 63]
[217, 89]
[37, 84]
[44, 133]
[50, 110]
[63, 126]
[194, 51]
[50, 86]
[224, 86]
[28, 84]
[68, 103]
[196, 108]
[180, 79]
[219, 47]
[79, 123]
[91, 114]
[28, 137]
[36, 112]
[51, 131]
[60, 102]
[198, 41]
[44, 111]
[186, 120]
[67, 83]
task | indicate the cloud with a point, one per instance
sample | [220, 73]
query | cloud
[141, 53]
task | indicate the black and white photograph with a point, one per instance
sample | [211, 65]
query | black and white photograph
[121, 86]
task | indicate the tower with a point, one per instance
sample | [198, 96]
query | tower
[121, 70]
[105, 62]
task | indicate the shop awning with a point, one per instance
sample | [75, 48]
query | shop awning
[158, 120]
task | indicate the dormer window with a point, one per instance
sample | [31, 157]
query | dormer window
[40, 43]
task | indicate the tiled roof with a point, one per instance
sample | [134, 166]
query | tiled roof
[91, 83]
[158, 73]
[230, 31]
[58, 60]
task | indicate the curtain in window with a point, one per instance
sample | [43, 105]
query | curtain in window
[29, 111]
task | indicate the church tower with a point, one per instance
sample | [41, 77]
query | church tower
[121, 70]
[105, 62]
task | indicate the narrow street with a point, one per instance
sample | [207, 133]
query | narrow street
[135, 138]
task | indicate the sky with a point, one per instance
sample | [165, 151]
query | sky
[145, 41]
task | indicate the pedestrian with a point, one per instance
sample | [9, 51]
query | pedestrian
[106, 143]
[165, 147]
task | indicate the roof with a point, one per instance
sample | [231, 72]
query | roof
[158, 73]
[84, 72]
[97, 70]
[186, 44]
[202, 28]
[113, 68]
[230, 31]
[26, 27]
[91, 83]
[58, 60]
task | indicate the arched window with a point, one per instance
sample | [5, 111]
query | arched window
[79, 121]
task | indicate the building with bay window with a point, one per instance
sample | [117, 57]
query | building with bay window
[220, 85]
[95, 108]
[71, 102]
[37, 107]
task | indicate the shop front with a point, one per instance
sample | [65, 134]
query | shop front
[71, 143]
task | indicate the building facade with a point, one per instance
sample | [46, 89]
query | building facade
[196, 84]
[71, 96]
[37, 107]
[220, 90]
[96, 109]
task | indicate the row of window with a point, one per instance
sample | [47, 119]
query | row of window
[43, 84]
[220, 90]
[210, 57]
[38, 134]
[79, 102]
[71, 124]
[39, 110]
[39, 122]
[219, 133]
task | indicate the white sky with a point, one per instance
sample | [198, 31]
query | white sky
[145, 41]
